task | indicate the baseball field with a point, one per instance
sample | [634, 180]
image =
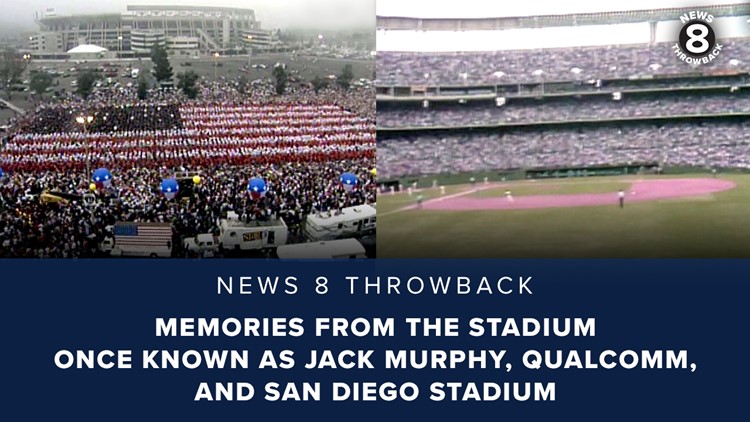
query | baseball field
[681, 216]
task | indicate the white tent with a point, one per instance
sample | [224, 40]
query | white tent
[87, 49]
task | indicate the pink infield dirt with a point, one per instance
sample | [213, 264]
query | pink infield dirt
[640, 191]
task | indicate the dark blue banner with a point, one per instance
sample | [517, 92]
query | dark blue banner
[502, 340]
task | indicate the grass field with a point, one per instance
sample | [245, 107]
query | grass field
[713, 226]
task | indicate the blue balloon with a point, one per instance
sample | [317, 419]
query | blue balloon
[349, 180]
[102, 176]
[2, 173]
[169, 187]
[257, 187]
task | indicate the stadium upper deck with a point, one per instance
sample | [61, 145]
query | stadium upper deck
[546, 65]
[432, 52]
[544, 21]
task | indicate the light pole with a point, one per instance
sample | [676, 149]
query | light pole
[85, 121]
[216, 65]
[119, 46]
[249, 47]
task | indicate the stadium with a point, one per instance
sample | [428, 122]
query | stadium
[584, 135]
[184, 30]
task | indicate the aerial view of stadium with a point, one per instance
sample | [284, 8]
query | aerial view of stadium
[204, 136]
[564, 130]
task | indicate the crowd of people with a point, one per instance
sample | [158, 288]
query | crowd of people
[724, 144]
[299, 143]
[519, 66]
[211, 133]
[31, 228]
[558, 109]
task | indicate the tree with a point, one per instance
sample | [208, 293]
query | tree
[280, 79]
[318, 83]
[162, 68]
[12, 66]
[242, 84]
[142, 87]
[344, 79]
[39, 82]
[85, 83]
[186, 83]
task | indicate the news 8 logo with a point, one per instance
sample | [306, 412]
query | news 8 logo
[696, 43]
[697, 38]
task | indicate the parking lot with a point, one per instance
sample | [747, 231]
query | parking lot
[305, 68]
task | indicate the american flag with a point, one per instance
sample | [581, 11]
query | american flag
[143, 234]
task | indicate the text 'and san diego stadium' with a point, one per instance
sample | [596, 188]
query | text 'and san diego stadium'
[491, 131]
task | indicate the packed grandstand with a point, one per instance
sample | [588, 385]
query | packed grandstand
[566, 107]
[299, 144]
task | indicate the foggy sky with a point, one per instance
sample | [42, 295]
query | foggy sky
[318, 14]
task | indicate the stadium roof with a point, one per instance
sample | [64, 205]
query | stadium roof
[93, 17]
[572, 19]
[87, 49]
[149, 7]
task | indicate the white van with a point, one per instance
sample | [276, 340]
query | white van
[333, 249]
[202, 244]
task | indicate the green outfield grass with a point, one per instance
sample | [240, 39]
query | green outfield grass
[388, 203]
[707, 227]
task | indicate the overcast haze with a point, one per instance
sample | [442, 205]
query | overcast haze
[488, 8]
[334, 14]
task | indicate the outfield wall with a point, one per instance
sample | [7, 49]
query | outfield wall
[426, 181]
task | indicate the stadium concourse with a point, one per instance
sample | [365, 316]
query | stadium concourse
[299, 143]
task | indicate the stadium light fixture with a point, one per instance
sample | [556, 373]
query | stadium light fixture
[216, 65]
[84, 120]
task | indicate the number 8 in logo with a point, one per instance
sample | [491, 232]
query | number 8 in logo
[697, 33]
[697, 38]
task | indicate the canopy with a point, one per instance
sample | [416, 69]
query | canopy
[87, 49]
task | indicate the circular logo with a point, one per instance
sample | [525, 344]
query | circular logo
[697, 39]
